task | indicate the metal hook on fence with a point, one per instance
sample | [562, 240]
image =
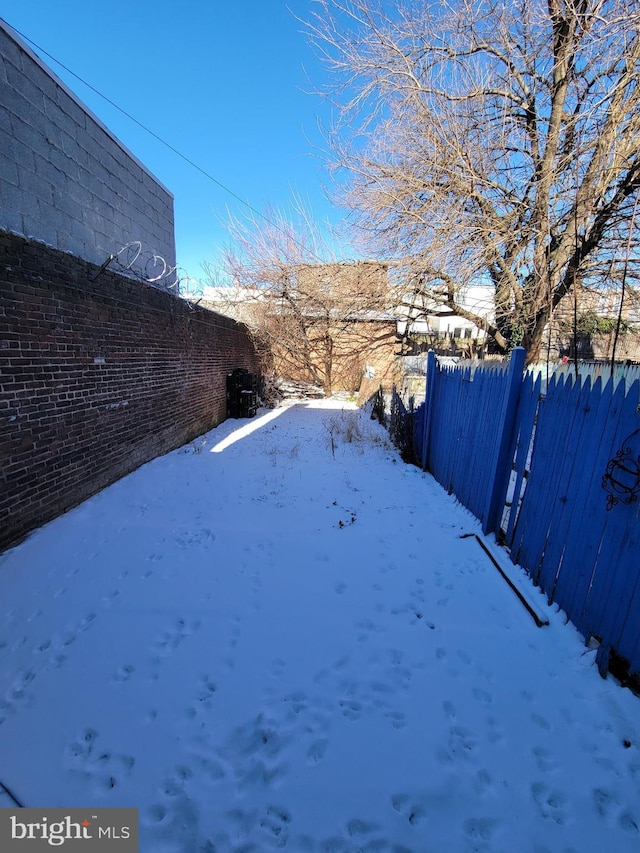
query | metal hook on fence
[621, 479]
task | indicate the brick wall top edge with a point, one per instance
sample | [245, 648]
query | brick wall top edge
[10, 33]
[51, 268]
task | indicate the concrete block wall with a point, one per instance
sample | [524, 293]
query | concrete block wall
[64, 178]
[96, 378]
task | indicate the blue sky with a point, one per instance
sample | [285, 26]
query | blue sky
[227, 84]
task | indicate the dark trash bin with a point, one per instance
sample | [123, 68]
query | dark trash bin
[242, 393]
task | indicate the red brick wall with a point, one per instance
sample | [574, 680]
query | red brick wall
[96, 378]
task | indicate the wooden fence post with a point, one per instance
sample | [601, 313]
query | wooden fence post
[428, 405]
[501, 469]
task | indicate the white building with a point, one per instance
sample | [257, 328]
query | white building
[433, 319]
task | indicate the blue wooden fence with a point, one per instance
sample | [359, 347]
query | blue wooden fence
[530, 466]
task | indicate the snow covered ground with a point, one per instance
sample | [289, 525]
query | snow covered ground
[275, 638]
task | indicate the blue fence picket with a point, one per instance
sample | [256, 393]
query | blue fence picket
[541, 495]
[575, 544]
[458, 380]
[473, 416]
[524, 432]
[442, 444]
[621, 606]
[418, 432]
[482, 413]
[429, 392]
[490, 385]
[503, 444]
[582, 538]
[626, 638]
[565, 474]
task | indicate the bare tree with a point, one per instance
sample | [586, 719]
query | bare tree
[308, 312]
[493, 141]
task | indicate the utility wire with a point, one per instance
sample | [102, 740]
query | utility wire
[164, 142]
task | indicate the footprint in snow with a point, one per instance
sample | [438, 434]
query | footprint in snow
[124, 673]
[316, 751]
[101, 769]
[482, 696]
[480, 828]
